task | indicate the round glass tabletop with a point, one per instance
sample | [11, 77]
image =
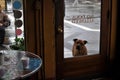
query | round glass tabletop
[18, 64]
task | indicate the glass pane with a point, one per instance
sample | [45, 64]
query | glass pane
[14, 33]
[82, 27]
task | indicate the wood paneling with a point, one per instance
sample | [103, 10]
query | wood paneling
[40, 34]
[49, 39]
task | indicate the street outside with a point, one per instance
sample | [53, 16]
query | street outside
[82, 21]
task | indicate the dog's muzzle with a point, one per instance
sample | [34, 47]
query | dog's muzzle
[78, 47]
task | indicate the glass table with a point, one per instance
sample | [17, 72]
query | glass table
[16, 65]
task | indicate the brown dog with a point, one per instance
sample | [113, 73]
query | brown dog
[79, 47]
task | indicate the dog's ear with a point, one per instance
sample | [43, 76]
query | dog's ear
[75, 40]
[85, 41]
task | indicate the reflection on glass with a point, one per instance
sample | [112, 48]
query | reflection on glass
[82, 22]
[14, 34]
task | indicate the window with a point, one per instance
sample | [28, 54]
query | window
[82, 21]
[14, 34]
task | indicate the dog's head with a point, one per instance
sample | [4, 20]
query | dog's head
[79, 43]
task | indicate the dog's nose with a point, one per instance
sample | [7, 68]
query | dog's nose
[78, 47]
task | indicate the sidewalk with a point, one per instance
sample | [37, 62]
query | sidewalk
[72, 31]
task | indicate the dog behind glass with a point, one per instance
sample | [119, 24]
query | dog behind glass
[79, 47]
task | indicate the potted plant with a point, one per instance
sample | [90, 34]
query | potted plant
[18, 45]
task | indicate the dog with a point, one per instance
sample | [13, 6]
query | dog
[79, 47]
